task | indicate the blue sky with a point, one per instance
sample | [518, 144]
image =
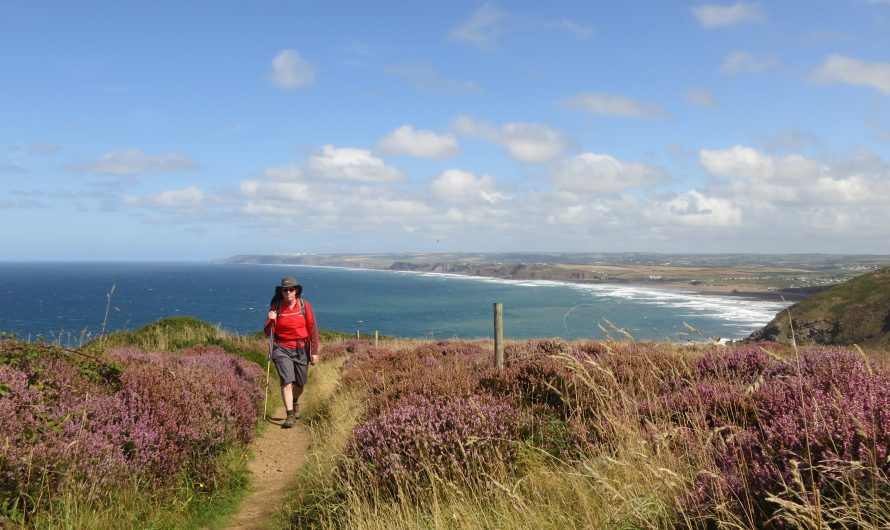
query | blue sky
[197, 130]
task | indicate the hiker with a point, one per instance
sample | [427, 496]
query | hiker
[295, 343]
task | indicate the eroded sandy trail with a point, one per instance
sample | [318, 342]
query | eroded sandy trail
[278, 455]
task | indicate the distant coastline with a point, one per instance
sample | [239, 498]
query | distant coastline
[772, 278]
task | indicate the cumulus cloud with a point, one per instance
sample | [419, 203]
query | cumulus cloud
[275, 190]
[838, 68]
[717, 16]
[702, 98]
[131, 162]
[614, 104]
[862, 179]
[188, 198]
[456, 185]
[290, 70]
[526, 142]
[599, 173]
[346, 164]
[418, 142]
[482, 29]
[351, 164]
[740, 62]
[429, 81]
[741, 161]
[693, 208]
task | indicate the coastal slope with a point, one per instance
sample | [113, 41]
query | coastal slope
[854, 312]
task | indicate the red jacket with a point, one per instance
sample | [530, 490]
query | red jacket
[293, 328]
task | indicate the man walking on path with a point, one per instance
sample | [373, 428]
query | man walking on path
[295, 343]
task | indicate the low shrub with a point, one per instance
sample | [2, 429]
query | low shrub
[816, 420]
[450, 437]
[85, 425]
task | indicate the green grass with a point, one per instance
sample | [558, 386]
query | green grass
[186, 506]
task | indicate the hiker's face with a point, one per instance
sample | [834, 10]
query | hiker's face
[290, 293]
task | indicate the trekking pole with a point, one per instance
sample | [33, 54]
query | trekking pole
[268, 366]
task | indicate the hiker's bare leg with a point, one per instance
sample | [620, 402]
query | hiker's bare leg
[287, 395]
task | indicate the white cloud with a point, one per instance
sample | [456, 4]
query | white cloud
[351, 164]
[694, 208]
[740, 62]
[290, 70]
[598, 173]
[482, 28]
[423, 143]
[862, 179]
[702, 97]
[526, 142]
[738, 161]
[614, 104]
[717, 16]
[458, 186]
[838, 68]
[276, 190]
[188, 198]
[741, 161]
[857, 189]
[131, 162]
[345, 164]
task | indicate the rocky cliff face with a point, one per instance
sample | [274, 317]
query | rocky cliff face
[854, 312]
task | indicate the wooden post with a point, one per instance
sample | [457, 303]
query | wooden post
[375, 338]
[358, 334]
[498, 335]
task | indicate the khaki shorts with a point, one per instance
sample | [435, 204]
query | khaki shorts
[292, 364]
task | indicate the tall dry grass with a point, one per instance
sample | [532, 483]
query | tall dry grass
[632, 461]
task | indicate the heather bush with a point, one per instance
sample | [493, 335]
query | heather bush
[345, 348]
[85, 426]
[718, 392]
[452, 438]
[814, 420]
[516, 351]
[430, 369]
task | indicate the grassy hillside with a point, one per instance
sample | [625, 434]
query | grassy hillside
[855, 312]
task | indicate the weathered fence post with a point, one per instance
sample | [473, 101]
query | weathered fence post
[358, 334]
[375, 338]
[498, 335]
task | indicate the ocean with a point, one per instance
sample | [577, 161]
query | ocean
[68, 301]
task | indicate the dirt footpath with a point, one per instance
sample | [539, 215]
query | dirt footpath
[278, 455]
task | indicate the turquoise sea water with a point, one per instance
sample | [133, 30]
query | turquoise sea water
[70, 299]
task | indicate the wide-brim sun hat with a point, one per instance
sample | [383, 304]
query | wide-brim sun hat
[290, 281]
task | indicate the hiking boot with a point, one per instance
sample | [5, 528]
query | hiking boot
[289, 422]
[297, 411]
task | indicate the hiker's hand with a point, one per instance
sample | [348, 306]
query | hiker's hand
[313, 359]
[272, 315]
